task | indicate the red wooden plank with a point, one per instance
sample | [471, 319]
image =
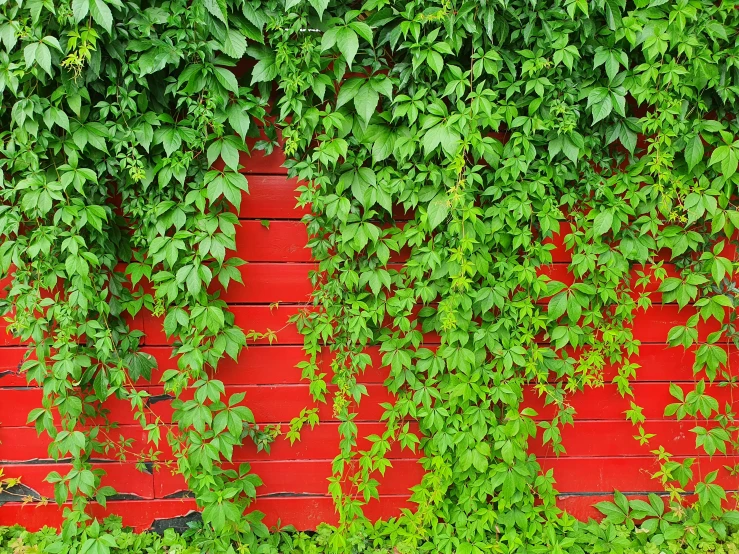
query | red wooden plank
[267, 283]
[653, 325]
[138, 514]
[20, 444]
[26, 399]
[257, 162]
[660, 362]
[302, 478]
[271, 197]
[319, 443]
[283, 241]
[123, 477]
[276, 364]
[11, 359]
[260, 319]
[606, 403]
[305, 513]
[6, 338]
[268, 365]
[560, 272]
[281, 403]
[616, 438]
[628, 475]
[582, 506]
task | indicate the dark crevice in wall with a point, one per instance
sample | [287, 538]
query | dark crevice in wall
[179, 523]
[17, 493]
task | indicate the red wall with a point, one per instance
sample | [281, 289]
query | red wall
[602, 454]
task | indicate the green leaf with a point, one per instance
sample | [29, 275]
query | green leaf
[230, 155]
[603, 222]
[694, 151]
[362, 29]
[366, 101]
[239, 120]
[265, 70]
[80, 9]
[349, 89]
[320, 6]
[364, 180]
[328, 40]
[171, 140]
[438, 210]
[215, 9]
[100, 12]
[234, 45]
[348, 43]
[43, 58]
[602, 109]
[628, 138]
[557, 305]
[227, 79]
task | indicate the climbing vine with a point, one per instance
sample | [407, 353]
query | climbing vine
[443, 147]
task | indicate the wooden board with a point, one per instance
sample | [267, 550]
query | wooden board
[601, 452]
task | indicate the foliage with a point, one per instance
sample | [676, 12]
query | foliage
[492, 126]
[113, 116]
[606, 537]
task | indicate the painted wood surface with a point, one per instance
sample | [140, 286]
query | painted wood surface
[602, 454]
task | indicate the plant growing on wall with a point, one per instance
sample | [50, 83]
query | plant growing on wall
[493, 126]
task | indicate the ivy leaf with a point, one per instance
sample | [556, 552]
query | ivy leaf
[602, 109]
[8, 36]
[362, 29]
[234, 45]
[348, 43]
[320, 7]
[570, 149]
[727, 157]
[440, 135]
[214, 7]
[348, 90]
[230, 155]
[80, 9]
[366, 101]
[227, 79]
[628, 138]
[612, 513]
[43, 57]
[603, 222]
[438, 210]
[100, 12]
[557, 305]
[364, 179]
[171, 140]
[239, 119]
[382, 144]
[694, 151]
[329, 39]
[265, 70]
